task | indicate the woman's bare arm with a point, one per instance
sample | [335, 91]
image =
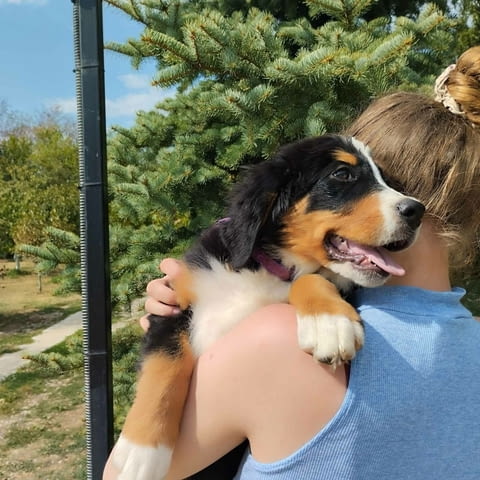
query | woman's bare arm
[252, 384]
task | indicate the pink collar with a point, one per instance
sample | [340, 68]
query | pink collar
[267, 262]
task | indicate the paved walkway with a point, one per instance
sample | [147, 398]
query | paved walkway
[10, 362]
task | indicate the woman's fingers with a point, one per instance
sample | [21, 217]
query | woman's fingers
[171, 267]
[158, 307]
[160, 290]
[161, 298]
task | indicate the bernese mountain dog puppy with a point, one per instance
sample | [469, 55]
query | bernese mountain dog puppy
[303, 227]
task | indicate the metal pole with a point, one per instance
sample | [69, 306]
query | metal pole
[96, 305]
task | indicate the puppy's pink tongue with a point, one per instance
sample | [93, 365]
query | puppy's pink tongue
[379, 256]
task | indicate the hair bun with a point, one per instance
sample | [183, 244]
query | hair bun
[463, 84]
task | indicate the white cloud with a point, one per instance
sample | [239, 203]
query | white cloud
[145, 97]
[66, 105]
[23, 2]
[135, 80]
[128, 105]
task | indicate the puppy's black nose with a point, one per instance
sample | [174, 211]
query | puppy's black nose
[411, 211]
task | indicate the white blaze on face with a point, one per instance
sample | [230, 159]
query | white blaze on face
[388, 198]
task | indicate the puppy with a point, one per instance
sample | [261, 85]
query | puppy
[303, 227]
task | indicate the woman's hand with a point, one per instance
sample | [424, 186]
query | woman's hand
[161, 298]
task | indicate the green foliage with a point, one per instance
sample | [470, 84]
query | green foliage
[126, 355]
[38, 182]
[55, 363]
[470, 280]
[13, 273]
[61, 358]
[467, 15]
[14, 152]
[59, 251]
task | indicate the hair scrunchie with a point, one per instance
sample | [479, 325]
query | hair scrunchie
[443, 96]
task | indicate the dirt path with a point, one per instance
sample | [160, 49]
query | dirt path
[10, 362]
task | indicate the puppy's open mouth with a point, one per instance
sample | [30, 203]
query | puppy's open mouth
[363, 257]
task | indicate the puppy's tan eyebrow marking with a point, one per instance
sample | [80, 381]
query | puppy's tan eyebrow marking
[346, 157]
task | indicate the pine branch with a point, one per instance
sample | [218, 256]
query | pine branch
[301, 33]
[172, 75]
[130, 7]
[136, 189]
[345, 11]
[54, 363]
[158, 42]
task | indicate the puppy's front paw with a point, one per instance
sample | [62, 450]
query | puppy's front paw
[140, 462]
[330, 338]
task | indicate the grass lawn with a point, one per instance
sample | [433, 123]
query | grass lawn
[42, 420]
[42, 426]
[41, 413]
[24, 310]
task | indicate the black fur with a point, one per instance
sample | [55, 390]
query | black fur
[269, 189]
[164, 333]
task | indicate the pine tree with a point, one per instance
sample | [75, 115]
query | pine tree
[59, 248]
[248, 80]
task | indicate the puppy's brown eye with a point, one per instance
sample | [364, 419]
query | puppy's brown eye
[343, 174]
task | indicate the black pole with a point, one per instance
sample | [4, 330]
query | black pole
[96, 309]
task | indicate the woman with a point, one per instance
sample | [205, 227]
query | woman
[408, 405]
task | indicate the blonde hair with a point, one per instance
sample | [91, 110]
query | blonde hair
[463, 84]
[430, 153]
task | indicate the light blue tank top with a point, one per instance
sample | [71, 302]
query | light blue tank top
[412, 407]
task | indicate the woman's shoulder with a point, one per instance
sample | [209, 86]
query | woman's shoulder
[269, 335]
[267, 378]
[263, 350]
[287, 385]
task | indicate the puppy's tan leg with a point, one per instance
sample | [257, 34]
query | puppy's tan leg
[328, 327]
[144, 449]
[184, 288]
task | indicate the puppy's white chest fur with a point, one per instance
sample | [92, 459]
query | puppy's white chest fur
[225, 297]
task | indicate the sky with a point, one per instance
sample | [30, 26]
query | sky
[36, 61]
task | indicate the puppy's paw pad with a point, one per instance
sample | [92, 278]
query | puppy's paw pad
[331, 339]
[140, 462]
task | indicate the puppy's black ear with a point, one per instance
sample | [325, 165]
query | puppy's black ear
[256, 202]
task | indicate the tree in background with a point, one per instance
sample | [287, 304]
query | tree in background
[250, 76]
[38, 179]
[467, 13]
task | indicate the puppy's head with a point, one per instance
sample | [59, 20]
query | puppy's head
[322, 202]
